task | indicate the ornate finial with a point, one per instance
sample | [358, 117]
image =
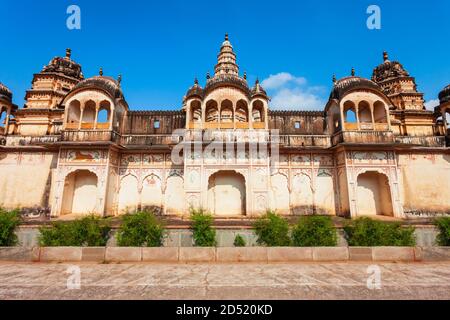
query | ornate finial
[257, 81]
[196, 81]
[353, 72]
[226, 36]
[208, 76]
[68, 53]
[119, 79]
[100, 72]
[385, 55]
[245, 75]
[334, 78]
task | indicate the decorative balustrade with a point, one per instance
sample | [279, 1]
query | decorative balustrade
[323, 141]
[15, 141]
[428, 141]
[89, 136]
[373, 137]
[149, 140]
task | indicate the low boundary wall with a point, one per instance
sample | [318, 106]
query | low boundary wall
[224, 255]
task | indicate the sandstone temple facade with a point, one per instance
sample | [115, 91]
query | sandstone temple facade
[76, 147]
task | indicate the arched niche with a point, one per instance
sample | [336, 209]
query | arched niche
[226, 111]
[211, 111]
[349, 112]
[89, 112]
[379, 112]
[364, 113]
[80, 193]
[195, 111]
[226, 193]
[373, 194]
[241, 114]
[74, 112]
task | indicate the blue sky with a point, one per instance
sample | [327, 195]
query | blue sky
[161, 46]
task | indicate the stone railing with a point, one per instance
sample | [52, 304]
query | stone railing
[15, 141]
[430, 141]
[323, 141]
[363, 137]
[89, 136]
[149, 140]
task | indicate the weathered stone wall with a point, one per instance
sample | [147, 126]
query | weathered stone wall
[25, 178]
[426, 183]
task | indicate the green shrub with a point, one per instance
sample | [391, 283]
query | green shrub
[9, 220]
[239, 241]
[366, 232]
[90, 231]
[203, 233]
[443, 225]
[141, 229]
[314, 231]
[272, 230]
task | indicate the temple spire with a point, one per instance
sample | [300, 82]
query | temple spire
[353, 72]
[68, 53]
[385, 56]
[226, 60]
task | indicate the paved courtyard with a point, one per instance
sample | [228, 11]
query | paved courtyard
[224, 281]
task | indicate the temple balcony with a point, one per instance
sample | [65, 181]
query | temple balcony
[18, 141]
[423, 141]
[363, 137]
[160, 140]
[86, 135]
[321, 141]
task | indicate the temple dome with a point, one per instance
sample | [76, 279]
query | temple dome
[5, 93]
[65, 66]
[258, 90]
[444, 95]
[347, 84]
[195, 91]
[388, 70]
[108, 84]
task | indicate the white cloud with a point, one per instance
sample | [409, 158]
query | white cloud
[431, 104]
[289, 92]
[278, 80]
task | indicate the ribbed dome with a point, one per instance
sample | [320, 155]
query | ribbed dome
[444, 95]
[226, 80]
[388, 70]
[65, 66]
[195, 91]
[344, 85]
[258, 90]
[108, 84]
[5, 93]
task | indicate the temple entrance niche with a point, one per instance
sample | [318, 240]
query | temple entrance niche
[280, 193]
[151, 196]
[227, 194]
[80, 193]
[128, 195]
[374, 194]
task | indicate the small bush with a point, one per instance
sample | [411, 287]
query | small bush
[272, 230]
[90, 231]
[141, 229]
[443, 225]
[314, 231]
[9, 220]
[203, 233]
[367, 232]
[239, 241]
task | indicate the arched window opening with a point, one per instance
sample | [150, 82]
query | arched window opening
[379, 112]
[212, 111]
[74, 113]
[241, 111]
[258, 111]
[226, 111]
[3, 115]
[350, 112]
[88, 115]
[104, 112]
[196, 111]
[365, 116]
